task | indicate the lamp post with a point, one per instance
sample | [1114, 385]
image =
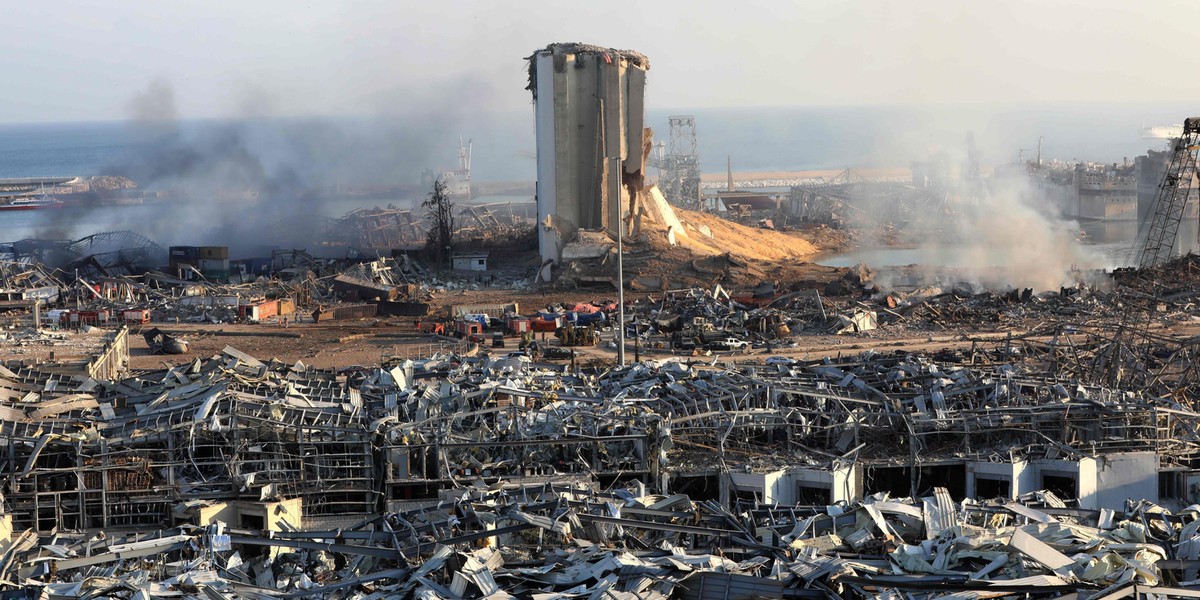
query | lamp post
[620, 261]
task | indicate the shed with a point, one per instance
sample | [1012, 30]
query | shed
[470, 261]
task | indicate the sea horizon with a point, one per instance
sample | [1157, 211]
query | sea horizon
[319, 149]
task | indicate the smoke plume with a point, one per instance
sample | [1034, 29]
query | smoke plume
[258, 180]
[1011, 240]
[999, 232]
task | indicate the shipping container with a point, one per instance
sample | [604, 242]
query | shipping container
[403, 309]
[259, 311]
[353, 289]
[286, 306]
[214, 252]
[492, 310]
[350, 311]
[136, 316]
[467, 327]
[214, 264]
[93, 317]
[519, 325]
[191, 253]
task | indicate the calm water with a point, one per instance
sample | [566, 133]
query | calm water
[390, 151]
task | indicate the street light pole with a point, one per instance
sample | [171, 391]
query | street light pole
[620, 262]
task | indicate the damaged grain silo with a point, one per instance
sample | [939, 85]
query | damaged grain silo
[589, 109]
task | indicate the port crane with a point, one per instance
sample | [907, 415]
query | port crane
[1157, 244]
[1126, 354]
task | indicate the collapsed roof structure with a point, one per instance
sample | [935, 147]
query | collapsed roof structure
[98, 255]
[797, 475]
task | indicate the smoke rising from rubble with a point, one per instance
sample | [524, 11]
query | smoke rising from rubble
[1006, 235]
[260, 179]
[1017, 244]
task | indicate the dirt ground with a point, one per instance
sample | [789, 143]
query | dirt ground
[337, 344]
[368, 342]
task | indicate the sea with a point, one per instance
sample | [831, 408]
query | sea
[282, 154]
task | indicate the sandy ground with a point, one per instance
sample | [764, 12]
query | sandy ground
[744, 242]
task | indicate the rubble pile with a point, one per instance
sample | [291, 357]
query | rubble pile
[236, 427]
[21, 341]
[380, 229]
[476, 476]
[667, 247]
[769, 316]
[1062, 460]
[121, 291]
[109, 183]
[934, 309]
[101, 254]
[565, 541]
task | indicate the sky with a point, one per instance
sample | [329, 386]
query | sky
[77, 60]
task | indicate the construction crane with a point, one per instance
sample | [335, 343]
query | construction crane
[1157, 245]
[1128, 353]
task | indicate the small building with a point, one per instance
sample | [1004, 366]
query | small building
[470, 261]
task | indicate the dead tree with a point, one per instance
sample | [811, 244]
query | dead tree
[439, 211]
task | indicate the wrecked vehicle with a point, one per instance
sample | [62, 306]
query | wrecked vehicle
[161, 342]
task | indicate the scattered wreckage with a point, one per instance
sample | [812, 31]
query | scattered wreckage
[986, 472]
[160, 342]
[559, 541]
[121, 284]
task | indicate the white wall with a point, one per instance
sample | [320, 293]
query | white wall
[848, 484]
[1127, 475]
[469, 264]
[547, 194]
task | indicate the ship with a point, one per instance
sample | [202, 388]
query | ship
[32, 203]
[1162, 132]
[458, 181]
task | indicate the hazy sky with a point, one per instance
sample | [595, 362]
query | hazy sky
[79, 60]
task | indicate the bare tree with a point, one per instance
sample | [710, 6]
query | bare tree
[439, 211]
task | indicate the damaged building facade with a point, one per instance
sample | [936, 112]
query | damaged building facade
[589, 113]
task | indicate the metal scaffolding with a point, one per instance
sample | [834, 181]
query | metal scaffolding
[680, 181]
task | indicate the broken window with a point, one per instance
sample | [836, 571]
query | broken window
[252, 522]
[896, 481]
[1170, 485]
[747, 495]
[992, 487]
[1062, 484]
[812, 495]
[699, 487]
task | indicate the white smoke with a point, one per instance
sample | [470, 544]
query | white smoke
[1012, 238]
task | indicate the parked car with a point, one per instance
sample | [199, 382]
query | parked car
[729, 343]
